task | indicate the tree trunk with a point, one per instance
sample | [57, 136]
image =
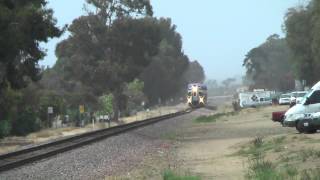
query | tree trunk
[116, 107]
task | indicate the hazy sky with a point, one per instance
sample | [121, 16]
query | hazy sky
[217, 33]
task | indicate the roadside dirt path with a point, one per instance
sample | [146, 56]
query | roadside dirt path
[207, 149]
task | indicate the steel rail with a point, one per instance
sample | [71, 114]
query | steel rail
[24, 156]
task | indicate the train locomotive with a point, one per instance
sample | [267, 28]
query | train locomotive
[197, 95]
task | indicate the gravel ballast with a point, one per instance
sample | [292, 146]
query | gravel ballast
[112, 156]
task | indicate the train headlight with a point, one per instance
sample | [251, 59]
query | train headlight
[201, 100]
[189, 100]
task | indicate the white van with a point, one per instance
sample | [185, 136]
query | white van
[308, 105]
[254, 99]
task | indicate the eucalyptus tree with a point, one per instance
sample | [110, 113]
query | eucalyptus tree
[302, 27]
[268, 65]
[109, 47]
[23, 26]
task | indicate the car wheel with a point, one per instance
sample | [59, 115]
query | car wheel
[308, 127]
[299, 127]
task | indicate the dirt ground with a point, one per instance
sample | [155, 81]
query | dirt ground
[207, 149]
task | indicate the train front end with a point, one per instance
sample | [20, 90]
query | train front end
[197, 95]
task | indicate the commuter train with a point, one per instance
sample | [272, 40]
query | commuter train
[197, 95]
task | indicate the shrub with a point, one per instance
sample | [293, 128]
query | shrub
[5, 128]
[169, 175]
[25, 123]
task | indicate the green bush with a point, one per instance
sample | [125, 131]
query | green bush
[169, 175]
[5, 128]
[25, 123]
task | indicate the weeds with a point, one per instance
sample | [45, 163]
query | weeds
[258, 146]
[311, 174]
[214, 118]
[260, 169]
[170, 175]
[170, 136]
[305, 154]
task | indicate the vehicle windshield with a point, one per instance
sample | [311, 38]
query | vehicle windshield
[308, 94]
[301, 94]
[285, 96]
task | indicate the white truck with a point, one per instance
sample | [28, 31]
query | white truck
[254, 99]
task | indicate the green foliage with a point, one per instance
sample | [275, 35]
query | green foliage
[260, 169]
[50, 99]
[110, 10]
[73, 114]
[214, 118]
[170, 175]
[268, 65]
[106, 57]
[259, 146]
[9, 99]
[5, 128]
[194, 73]
[135, 86]
[302, 26]
[24, 24]
[106, 102]
[170, 70]
[25, 123]
[135, 95]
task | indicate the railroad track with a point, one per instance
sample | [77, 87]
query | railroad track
[21, 157]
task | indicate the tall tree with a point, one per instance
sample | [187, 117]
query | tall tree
[106, 55]
[298, 29]
[23, 26]
[194, 73]
[163, 78]
[268, 65]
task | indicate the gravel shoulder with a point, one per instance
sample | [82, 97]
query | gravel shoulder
[112, 157]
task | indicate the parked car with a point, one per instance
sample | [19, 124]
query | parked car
[309, 105]
[278, 116]
[297, 97]
[284, 99]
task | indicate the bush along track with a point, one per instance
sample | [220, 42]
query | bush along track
[170, 175]
[214, 118]
[281, 158]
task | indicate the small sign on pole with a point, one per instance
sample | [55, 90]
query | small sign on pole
[81, 109]
[50, 110]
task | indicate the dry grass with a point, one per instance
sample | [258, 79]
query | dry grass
[51, 134]
[153, 113]
[291, 156]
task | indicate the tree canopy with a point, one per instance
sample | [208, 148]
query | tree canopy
[109, 48]
[302, 27]
[23, 25]
[268, 66]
